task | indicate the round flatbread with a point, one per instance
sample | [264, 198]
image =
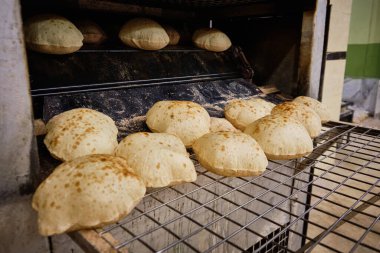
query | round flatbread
[211, 39]
[52, 34]
[39, 127]
[144, 34]
[230, 154]
[307, 116]
[87, 192]
[159, 159]
[221, 124]
[317, 106]
[281, 137]
[92, 32]
[80, 132]
[243, 112]
[174, 36]
[185, 119]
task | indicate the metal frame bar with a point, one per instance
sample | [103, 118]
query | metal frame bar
[130, 84]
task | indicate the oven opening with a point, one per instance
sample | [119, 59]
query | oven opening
[276, 55]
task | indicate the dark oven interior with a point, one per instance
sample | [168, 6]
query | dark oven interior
[124, 82]
[267, 31]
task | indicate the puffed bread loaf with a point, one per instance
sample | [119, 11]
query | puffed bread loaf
[159, 159]
[144, 33]
[242, 112]
[211, 39]
[174, 36]
[52, 34]
[92, 32]
[317, 106]
[307, 116]
[87, 192]
[80, 132]
[221, 124]
[185, 119]
[281, 137]
[230, 154]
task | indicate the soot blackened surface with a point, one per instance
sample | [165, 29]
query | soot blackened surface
[47, 162]
[274, 99]
[94, 69]
[128, 106]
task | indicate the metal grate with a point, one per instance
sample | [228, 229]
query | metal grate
[277, 245]
[327, 201]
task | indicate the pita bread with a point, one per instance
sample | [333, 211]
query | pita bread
[243, 112]
[317, 106]
[185, 119]
[39, 127]
[281, 137]
[230, 154]
[221, 124]
[80, 132]
[159, 159]
[307, 116]
[174, 36]
[144, 34]
[92, 32]
[87, 192]
[52, 34]
[211, 39]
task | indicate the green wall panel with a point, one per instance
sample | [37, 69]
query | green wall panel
[365, 22]
[363, 60]
[363, 52]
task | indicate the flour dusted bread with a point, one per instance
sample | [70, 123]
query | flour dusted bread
[52, 34]
[243, 112]
[80, 132]
[174, 36]
[281, 137]
[317, 106]
[230, 154]
[185, 119]
[144, 33]
[87, 192]
[92, 32]
[307, 116]
[159, 159]
[211, 39]
[221, 124]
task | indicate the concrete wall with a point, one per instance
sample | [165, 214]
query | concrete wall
[15, 103]
[18, 222]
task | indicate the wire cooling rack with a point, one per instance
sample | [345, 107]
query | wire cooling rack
[325, 202]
